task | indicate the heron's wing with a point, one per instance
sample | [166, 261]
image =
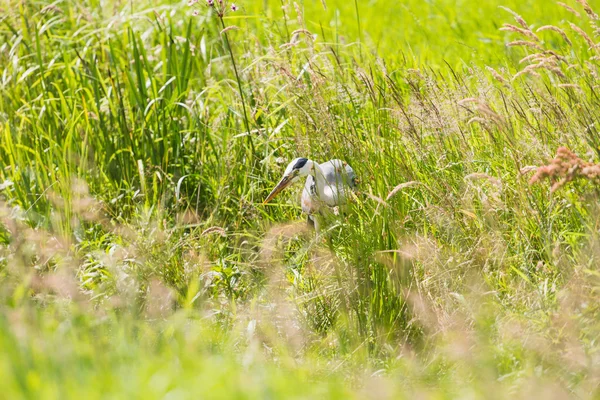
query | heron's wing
[338, 173]
[351, 176]
[331, 171]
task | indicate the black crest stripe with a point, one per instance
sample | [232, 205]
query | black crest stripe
[300, 163]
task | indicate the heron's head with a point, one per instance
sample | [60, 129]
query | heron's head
[297, 168]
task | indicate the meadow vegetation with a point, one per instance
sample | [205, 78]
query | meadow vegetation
[139, 138]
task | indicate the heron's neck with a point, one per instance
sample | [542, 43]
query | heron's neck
[320, 180]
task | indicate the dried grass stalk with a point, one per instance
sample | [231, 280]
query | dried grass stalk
[555, 29]
[496, 75]
[525, 43]
[584, 35]
[588, 9]
[517, 17]
[524, 32]
[401, 186]
[569, 9]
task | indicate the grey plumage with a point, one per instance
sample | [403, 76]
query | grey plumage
[339, 177]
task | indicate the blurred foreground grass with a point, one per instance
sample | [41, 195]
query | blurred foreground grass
[136, 258]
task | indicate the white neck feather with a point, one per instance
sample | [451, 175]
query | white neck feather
[320, 180]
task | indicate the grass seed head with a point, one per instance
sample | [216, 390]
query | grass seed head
[555, 29]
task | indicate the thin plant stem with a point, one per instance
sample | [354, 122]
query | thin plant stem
[359, 30]
[287, 32]
[239, 82]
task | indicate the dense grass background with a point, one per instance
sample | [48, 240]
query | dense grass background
[138, 141]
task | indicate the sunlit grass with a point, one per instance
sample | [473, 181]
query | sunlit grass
[137, 145]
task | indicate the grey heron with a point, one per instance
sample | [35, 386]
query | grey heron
[327, 185]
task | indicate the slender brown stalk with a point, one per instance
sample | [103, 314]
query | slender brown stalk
[239, 82]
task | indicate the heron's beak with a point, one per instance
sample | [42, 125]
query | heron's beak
[283, 183]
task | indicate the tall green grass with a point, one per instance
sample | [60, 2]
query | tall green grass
[137, 147]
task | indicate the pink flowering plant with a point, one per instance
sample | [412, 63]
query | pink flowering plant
[220, 7]
[564, 168]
